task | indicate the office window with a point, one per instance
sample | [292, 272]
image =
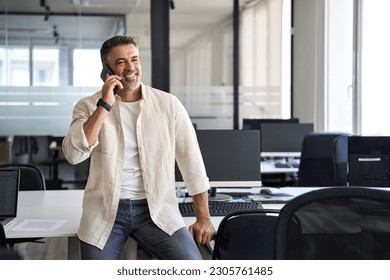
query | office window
[14, 66]
[86, 67]
[45, 66]
[372, 98]
[375, 61]
[338, 66]
[265, 60]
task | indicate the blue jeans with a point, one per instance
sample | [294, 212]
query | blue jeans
[133, 219]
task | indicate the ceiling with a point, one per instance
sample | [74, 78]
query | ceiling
[188, 18]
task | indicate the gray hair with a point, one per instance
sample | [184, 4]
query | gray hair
[107, 46]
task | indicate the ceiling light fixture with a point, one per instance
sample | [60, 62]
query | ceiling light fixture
[46, 18]
[56, 35]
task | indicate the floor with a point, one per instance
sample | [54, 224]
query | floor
[55, 249]
[44, 249]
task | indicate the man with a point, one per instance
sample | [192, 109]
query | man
[132, 138]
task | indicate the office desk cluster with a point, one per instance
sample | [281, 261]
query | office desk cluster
[66, 206]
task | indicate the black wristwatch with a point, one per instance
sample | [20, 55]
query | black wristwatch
[105, 105]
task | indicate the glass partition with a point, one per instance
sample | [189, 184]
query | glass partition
[202, 71]
[46, 65]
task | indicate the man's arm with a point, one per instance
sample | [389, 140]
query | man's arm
[202, 229]
[93, 125]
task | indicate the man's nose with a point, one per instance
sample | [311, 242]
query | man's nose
[129, 65]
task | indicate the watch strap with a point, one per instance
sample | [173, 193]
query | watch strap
[105, 105]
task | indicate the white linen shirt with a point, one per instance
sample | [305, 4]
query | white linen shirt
[164, 130]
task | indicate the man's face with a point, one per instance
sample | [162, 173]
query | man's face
[124, 60]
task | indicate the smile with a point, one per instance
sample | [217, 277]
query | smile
[130, 76]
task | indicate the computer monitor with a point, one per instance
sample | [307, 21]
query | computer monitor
[255, 123]
[283, 139]
[231, 158]
[369, 161]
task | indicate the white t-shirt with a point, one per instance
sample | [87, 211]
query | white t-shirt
[132, 183]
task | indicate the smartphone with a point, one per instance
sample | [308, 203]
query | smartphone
[107, 70]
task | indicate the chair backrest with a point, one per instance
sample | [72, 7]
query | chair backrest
[316, 163]
[31, 177]
[340, 160]
[246, 235]
[335, 223]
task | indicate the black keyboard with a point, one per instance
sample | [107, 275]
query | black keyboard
[220, 208]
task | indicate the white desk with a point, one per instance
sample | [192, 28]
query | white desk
[66, 205]
[57, 205]
[54, 205]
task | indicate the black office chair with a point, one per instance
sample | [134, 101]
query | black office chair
[246, 235]
[316, 168]
[340, 160]
[31, 179]
[335, 223]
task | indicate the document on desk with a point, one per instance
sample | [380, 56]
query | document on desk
[31, 225]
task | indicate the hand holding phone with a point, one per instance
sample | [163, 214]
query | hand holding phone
[107, 70]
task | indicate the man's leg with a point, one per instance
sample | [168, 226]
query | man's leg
[118, 237]
[179, 246]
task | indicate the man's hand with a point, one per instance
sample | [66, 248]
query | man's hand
[108, 87]
[202, 231]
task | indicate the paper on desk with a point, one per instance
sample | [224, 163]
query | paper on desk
[39, 225]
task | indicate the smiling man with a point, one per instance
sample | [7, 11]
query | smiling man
[132, 139]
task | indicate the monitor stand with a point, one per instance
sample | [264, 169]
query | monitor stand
[218, 197]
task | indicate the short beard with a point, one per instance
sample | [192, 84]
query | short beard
[132, 87]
